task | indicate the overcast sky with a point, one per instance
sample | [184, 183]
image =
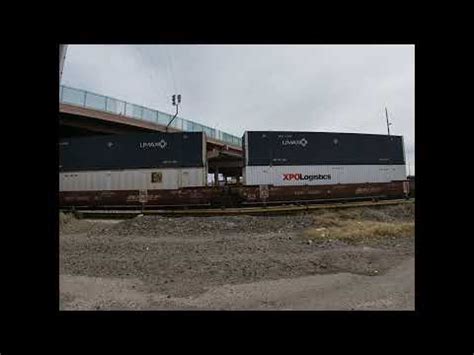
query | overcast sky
[277, 87]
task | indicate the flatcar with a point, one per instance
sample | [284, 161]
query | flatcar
[161, 170]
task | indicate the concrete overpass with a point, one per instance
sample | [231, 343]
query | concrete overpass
[83, 113]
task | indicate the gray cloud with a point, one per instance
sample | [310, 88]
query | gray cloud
[278, 87]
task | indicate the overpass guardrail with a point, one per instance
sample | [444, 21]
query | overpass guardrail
[83, 98]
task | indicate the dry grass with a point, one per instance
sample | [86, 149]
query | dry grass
[68, 223]
[362, 224]
[361, 230]
[65, 218]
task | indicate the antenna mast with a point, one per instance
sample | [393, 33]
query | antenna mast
[388, 123]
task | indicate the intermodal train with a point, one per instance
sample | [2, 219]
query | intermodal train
[162, 170]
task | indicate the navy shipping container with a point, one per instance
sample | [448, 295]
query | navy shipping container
[321, 148]
[133, 151]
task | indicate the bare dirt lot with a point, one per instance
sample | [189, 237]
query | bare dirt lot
[346, 259]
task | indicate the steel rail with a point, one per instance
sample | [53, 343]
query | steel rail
[261, 210]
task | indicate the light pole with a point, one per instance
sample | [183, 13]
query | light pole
[173, 101]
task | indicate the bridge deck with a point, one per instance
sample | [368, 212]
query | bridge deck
[81, 103]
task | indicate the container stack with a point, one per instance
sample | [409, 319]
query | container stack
[133, 162]
[321, 158]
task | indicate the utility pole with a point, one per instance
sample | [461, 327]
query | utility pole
[388, 123]
[389, 139]
[62, 59]
[173, 101]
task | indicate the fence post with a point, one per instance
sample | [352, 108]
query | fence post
[85, 98]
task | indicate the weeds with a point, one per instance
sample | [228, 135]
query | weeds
[363, 223]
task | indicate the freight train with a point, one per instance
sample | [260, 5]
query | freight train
[161, 170]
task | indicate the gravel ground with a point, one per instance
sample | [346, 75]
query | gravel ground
[160, 259]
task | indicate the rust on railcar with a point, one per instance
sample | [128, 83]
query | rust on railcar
[308, 192]
[185, 196]
[221, 196]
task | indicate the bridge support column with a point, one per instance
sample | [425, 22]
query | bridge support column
[216, 176]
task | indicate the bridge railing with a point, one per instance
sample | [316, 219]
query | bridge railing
[94, 101]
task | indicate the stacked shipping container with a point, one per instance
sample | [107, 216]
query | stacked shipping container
[169, 169]
[163, 161]
[320, 158]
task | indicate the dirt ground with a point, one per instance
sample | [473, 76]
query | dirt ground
[336, 259]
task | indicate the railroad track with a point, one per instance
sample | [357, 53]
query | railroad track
[261, 210]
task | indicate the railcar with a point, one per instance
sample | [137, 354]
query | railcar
[168, 170]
